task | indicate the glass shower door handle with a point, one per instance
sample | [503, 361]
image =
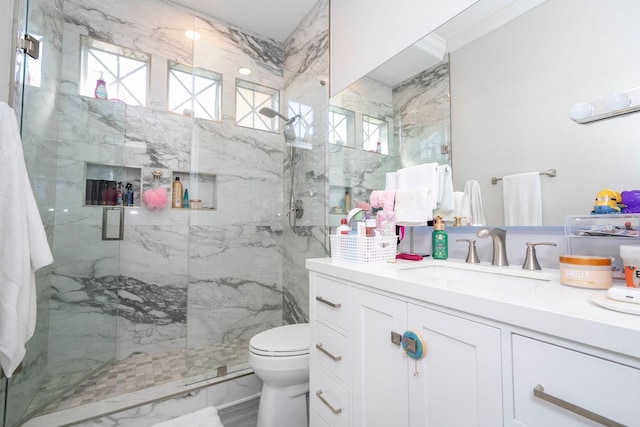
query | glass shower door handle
[113, 223]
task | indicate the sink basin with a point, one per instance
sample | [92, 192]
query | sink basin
[470, 272]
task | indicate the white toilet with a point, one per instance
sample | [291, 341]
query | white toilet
[280, 358]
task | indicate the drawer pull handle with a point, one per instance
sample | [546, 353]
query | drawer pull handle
[329, 303]
[538, 391]
[334, 410]
[321, 348]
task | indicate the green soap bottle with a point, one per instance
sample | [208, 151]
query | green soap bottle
[439, 241]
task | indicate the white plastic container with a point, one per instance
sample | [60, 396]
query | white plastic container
[586, 271]
[631, 258]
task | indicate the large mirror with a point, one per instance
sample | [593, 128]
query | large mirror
[489, 93]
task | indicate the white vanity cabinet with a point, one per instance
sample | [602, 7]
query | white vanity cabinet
[554, 385]
[330, 358]
[499, 350]
[359, 377]
[458, 382]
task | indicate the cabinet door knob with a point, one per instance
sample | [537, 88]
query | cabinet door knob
[329, 405]
[329, 303]
[538, 391]
[321, 348]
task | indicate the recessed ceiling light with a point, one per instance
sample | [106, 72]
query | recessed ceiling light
[190, 34]
[244, 71]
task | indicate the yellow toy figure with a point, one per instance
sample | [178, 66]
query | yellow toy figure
[607, 202]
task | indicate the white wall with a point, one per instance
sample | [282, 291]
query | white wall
[366, 33]
[6, 25]
[511, 91]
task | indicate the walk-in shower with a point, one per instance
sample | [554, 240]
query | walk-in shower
[296, 206]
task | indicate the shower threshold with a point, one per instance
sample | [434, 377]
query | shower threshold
[142, 374]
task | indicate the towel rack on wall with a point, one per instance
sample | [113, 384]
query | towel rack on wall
[550, 173]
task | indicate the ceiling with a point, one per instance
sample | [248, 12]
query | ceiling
[275, 19]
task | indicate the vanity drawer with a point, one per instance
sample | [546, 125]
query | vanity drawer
[332, 352]
[332, 302]
[600, 386]
[331, 402]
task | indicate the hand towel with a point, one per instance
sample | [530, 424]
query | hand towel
[419, 176]
[414, 206]
[207, 417]
[23, 246]
[391, 181]
[522, 195]
[445, 188]
[472, 190]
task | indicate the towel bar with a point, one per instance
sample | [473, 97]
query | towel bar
[550, 173]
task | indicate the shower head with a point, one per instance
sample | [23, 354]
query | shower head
[271, 113]
[266, 111]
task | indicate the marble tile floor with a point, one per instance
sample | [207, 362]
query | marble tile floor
[139, 371]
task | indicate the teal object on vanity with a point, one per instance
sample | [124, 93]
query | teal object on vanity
[439, 241]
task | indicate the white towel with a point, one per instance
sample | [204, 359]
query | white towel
[23, 246]
[413, 207]
[391, 181]
[419, 176]
[522, 195]
[207, 417]
[445, 188]
[472, 190]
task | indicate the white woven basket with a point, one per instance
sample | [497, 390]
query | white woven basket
[364, 249]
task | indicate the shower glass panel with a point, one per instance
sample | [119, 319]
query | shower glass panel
[63, 134]
[237, 256]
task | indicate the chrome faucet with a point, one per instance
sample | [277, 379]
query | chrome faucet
[499, 237]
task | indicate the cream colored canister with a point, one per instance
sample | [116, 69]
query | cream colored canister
[586, 271]
[631, 258]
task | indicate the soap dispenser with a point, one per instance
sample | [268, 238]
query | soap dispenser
[439, 240]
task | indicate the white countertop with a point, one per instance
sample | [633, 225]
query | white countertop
[533, 300]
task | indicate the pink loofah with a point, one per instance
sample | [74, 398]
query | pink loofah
[155, 198]
[364, 206]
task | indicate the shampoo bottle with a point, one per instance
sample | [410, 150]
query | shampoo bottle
[129, 194]
[101, 88]
[347, 201]
[343, 228]
[176, 193]
[185, 199]
[439, 240]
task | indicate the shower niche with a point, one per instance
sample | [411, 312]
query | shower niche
[202, 188]
[103, 182]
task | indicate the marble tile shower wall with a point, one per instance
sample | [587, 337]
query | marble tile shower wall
[179, 277]
[307, 57]
[354, 168]
[423, 115]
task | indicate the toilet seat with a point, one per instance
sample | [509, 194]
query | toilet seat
[283, 341]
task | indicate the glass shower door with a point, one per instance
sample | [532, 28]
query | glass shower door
[64, 145]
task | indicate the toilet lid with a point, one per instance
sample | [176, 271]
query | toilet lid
[288, 340]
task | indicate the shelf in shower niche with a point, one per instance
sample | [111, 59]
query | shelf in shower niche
[202, 189]
[101, 183]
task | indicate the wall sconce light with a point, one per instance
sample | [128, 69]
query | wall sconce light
[616, 104]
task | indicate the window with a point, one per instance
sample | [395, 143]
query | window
[304, 125]
[341, 130]
[250, 98]
[125, 71]
[375, 135]
[194, 91]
